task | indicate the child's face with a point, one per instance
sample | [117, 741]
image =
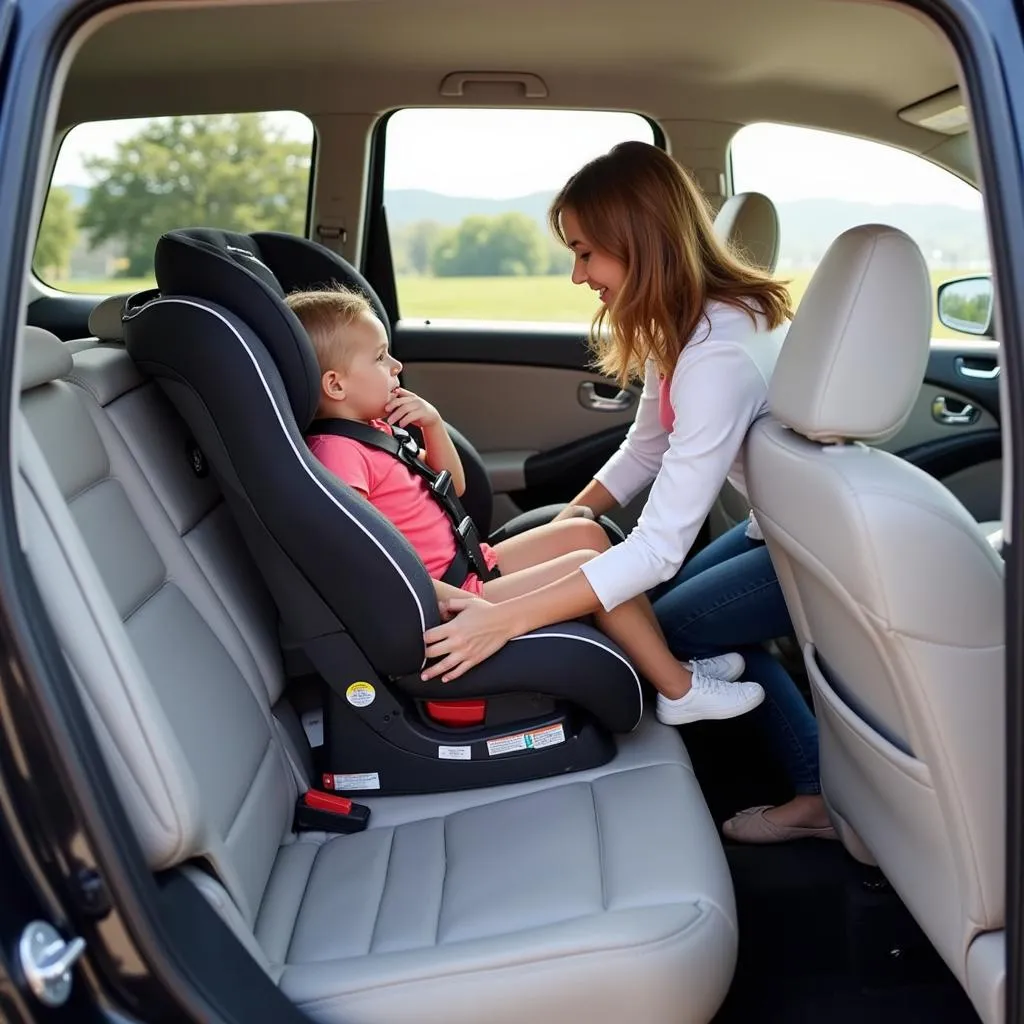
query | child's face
[369, 374]
[591, 265]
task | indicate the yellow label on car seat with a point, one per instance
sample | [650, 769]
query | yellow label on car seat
[360, 695]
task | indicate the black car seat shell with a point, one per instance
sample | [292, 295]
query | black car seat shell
[353, 596]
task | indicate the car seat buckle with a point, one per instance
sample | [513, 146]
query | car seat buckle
[326, 812]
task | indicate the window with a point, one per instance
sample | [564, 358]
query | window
[467, 193]
[823, 183]
[118, 185]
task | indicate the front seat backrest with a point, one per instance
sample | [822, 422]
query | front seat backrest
[895, 595]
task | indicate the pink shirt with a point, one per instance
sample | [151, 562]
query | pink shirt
[399, 495]
[666, 416]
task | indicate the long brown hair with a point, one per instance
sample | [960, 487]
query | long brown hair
[642, 208]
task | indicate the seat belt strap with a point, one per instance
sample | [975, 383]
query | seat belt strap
[402, 446]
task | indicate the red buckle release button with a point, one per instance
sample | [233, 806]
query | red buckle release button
[327, 802]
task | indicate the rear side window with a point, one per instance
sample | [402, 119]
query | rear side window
[118, 185]
[466, 192]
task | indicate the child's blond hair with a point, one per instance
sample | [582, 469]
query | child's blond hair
[324, 313]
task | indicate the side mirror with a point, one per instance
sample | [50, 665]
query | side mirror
[965, 305]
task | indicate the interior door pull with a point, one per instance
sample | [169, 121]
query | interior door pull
[954, 413]
[590, 399]
[987, 370]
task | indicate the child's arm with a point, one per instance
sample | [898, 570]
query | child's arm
[406, 409]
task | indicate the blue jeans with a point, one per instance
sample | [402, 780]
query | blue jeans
[727, 598]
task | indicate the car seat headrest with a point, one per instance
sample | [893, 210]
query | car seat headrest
[302, 265]
[44, 358]
[230, 270]
[105, 318]
[749, 222]
[855, 355]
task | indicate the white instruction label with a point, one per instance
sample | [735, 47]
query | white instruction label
[360, 780]
[454, 753]
[537, 739]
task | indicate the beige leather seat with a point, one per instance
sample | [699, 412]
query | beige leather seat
[897, 601]
[749, 222]
[602, 895]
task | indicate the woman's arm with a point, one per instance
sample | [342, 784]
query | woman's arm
[476, 630]
[594, 496]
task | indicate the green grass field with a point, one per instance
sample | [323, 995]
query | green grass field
[551, 299]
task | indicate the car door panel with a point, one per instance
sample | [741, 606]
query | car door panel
[543, 421]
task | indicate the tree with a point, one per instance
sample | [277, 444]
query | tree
[510, 244]
[413, 245]
[58, 233]
[422, 241]
[233, 171]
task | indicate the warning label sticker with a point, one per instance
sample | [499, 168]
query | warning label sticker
[537, 739]
[358, 780]
[360, 695]
[454, 753]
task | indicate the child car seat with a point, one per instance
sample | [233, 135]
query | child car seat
[353, 597]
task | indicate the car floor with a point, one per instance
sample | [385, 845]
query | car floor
[822, 937]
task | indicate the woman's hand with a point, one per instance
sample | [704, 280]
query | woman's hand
[474, 630]
[574, 512]
[407, 409]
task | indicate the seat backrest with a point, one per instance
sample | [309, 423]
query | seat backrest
[749, 222]
[241, 371]
[300, 265]
[177, 690]
[896, 597]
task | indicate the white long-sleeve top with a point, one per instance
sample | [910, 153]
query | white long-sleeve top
[719, 387]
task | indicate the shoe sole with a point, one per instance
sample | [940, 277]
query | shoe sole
[719, 716]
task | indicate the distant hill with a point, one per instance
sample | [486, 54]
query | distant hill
[948, 235]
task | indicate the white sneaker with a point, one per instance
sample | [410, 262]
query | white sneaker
[723, 666]
[709, 698]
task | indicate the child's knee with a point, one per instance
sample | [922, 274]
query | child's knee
[589, 535]
[584, 555]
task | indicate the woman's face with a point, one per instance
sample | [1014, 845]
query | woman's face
[591, 265]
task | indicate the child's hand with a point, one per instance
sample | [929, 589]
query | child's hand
[405, 409]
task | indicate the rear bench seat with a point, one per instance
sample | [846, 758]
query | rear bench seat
[602, 896]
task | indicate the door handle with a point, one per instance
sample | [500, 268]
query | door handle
[590, 399]
[975, 372]
[951, 412]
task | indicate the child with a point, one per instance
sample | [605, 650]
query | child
[359, 382]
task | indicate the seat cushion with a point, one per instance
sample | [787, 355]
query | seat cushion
[608, 891]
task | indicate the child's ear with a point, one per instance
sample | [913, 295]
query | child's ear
[332, 386]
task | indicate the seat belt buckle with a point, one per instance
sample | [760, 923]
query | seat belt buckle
[441, 485]
[316, 811]
[471, 546]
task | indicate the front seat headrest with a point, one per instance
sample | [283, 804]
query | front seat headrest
[855, 355]
[749, 222]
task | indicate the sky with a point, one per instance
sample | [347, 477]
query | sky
[502, 154]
